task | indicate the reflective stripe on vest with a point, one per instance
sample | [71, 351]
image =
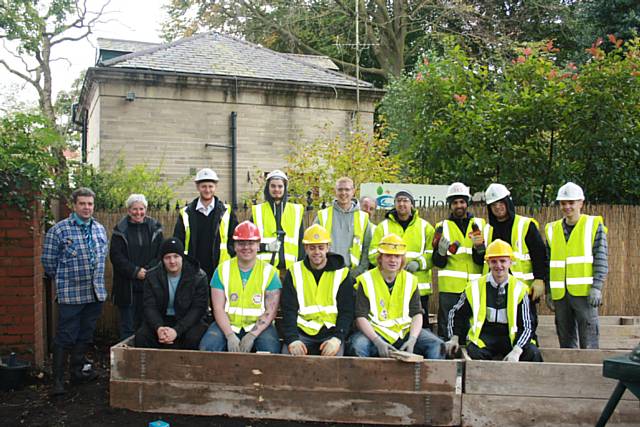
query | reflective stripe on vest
[389, 313]
[360, 221]
[317, 302]
[223, 231]
[460, 267]
[522, 267]
[290, 222]
[571, 263]
[245, 304]
[417, 236]
[476, 293]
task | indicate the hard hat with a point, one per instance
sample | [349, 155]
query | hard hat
[496, 192]
[458, 189]
[316, 234]
[277, 174]
[570, 191]
[246, 230]
[498, 248]
[206, 174]
[392, 244]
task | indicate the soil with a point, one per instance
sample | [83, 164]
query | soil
[87, 405]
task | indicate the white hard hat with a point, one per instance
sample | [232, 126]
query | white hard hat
[570, 191]
[277, 174]
[206, 174]
[495, 192]
[458, 189]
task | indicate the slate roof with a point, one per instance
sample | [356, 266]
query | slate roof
[220, 55]
[319, 60]
[123, 45]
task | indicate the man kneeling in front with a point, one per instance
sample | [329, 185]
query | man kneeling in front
[174, 301]
[497, 309]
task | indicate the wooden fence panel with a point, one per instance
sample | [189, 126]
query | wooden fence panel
[620, 294]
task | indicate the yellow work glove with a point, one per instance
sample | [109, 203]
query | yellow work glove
[537, 289]
[330, 347]
[297, 348]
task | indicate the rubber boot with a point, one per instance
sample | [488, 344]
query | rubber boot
[81, 370]
[59, 361]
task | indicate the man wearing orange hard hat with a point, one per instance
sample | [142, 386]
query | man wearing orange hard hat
[496, 309]
[245, 292]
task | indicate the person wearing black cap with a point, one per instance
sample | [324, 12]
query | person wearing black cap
[175, 301]
[417, 233]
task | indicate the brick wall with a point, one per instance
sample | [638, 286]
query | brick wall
[22, 326]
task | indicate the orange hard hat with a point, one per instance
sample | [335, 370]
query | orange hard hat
[246, 230]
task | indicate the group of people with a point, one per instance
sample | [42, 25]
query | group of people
[342, 285]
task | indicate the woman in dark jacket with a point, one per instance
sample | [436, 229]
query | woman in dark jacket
[135, 244]
[176, 297]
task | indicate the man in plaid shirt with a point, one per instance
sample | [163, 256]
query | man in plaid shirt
[74, 256]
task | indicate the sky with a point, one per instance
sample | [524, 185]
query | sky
[138, 20]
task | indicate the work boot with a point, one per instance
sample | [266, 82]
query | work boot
[81, 369]
[59, 362]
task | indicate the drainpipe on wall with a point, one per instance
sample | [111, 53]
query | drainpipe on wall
[234, 159]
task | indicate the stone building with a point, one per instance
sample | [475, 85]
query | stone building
[184, 105]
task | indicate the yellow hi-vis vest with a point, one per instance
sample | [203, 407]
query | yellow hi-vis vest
[521, 268]
[290, 221]
[317, 302]
[245, 304]
[223, 230]
[418, 237]
[571, 263]
[389, 313]
[460, 267]
[476, 293]
[360, 221]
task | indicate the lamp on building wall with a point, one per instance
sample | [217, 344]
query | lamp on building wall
[131, 96]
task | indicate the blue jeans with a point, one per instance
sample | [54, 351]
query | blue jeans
[428, 345]
[313, 345]
[131, 316]
[214, 340]
[77, 323]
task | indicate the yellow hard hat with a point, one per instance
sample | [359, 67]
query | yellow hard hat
[392, 244]
[316, 234]
[498, 248]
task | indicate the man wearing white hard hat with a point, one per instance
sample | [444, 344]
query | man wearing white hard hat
[578, 267]
[205, 224]
[458, 251]
[529, 253]
[279, 222]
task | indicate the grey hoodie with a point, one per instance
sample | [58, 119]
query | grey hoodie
[342, 236]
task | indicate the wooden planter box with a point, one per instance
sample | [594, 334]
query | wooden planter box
[616, 332]
[267, 386]
[567, 389]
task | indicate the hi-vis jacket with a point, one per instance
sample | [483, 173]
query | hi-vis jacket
[460, 267]
[389, 312]
[418, 237]
[318, 305]
[245, 304]
[223, 230]
[360, 222]
[291, 220]
[522, 268]
[571, 262]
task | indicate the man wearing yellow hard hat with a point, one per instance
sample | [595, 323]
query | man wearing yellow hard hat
[497, 310]
[388, 311]
[317, 299]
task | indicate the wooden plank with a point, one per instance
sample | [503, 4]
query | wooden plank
[604, 320]
[574, 355]
[612, 337]
[577, 380]
[314, 372]
[484, 411]
[379, 407]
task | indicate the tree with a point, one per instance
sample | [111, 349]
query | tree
[33, 30]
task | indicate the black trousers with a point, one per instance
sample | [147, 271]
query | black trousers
[424, 301]
[446, 301]
[146, 337]
[496, 348]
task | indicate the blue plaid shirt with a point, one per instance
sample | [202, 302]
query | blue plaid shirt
[78, 268]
